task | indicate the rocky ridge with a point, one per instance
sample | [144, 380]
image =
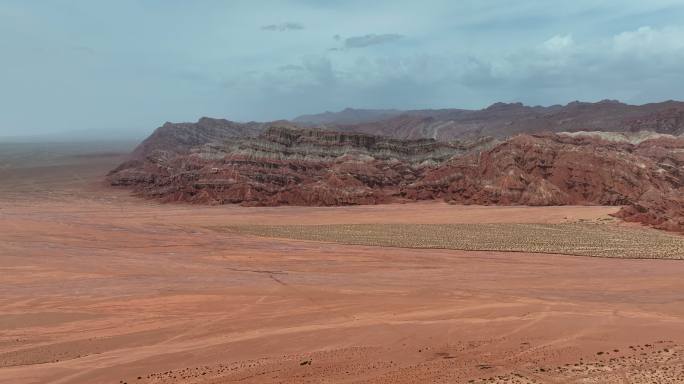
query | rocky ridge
[279, 163]
[502, 120]
[646, 178]
[286, 165]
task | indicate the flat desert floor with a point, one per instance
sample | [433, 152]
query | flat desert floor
[97, 286]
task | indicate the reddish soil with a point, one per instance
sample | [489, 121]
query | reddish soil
[99, 287]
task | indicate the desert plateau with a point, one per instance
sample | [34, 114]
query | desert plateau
[341, 192]
[99, 286]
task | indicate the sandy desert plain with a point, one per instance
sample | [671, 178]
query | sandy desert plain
[97, 286]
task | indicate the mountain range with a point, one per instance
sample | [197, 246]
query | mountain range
[605, 153]
[502, 120]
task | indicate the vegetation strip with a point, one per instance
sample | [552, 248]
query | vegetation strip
[599, 240]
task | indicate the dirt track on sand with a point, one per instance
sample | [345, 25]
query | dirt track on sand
[99, 287]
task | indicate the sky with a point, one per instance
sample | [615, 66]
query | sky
[130, 65]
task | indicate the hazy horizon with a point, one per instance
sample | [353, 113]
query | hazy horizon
[134, 135]
[93, 68]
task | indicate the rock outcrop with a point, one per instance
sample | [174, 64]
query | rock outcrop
[218, 162]
[285, 165]
[560, 169]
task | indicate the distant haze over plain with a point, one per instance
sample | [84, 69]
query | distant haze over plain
[95, 69]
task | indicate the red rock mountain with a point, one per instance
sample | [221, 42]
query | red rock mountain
[647, 177]
[218, 161]
[284, 165]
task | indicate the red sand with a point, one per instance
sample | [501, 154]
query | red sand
[99, 287]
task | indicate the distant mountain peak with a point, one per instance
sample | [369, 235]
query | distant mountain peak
[500, 105]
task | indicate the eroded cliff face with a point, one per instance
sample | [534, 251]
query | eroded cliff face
[181, 137]
[280, 163]
[288, 165]
[645, 177]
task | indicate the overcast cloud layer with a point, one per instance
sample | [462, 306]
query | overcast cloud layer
[72, 65]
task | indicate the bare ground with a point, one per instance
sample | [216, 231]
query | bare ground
[99, 287]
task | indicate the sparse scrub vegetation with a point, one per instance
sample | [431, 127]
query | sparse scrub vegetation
[571, 239]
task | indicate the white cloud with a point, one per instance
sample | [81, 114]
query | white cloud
[558, 43]
[212, 58]
[647, 41]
